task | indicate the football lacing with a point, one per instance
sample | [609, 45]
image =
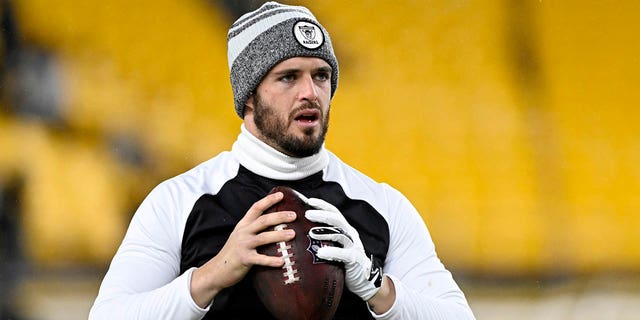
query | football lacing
[290, 274]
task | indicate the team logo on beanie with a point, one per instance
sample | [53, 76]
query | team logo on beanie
[309, 35]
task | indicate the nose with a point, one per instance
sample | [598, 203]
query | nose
[308, 90]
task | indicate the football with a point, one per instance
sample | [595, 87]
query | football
[306, 287]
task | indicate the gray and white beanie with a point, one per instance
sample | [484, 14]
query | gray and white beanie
[260, 39]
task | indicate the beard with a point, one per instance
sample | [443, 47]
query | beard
[274, 129]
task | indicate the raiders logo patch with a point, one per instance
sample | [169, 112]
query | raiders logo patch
[308, 35]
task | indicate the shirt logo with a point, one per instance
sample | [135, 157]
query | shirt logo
[308, 34]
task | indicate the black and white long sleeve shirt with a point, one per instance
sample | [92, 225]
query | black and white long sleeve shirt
[186, 220]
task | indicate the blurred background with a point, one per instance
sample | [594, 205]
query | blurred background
[512, 126]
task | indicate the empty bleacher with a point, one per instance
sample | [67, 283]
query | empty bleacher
[519, 167]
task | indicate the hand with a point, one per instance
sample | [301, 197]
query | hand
[239, 253]
[361, 276]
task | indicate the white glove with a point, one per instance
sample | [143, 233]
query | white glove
[361, 276]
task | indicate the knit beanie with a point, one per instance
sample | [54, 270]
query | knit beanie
[260, 39]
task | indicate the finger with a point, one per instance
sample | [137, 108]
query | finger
[335, 254]
[269, 237]
[331, 234]
[301, 196]
[268, 261]
[266, 221]
[261, 205]
[327, 217]
[321, 204]
[341, 239]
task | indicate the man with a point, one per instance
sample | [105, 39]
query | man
[193, 240]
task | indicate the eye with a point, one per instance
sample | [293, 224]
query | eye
[287, 78]
[322, 76]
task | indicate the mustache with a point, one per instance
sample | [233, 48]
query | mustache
[305, 106]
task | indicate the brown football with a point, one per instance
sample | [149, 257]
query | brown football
[306, 287]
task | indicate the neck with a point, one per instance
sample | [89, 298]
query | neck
[262, 159]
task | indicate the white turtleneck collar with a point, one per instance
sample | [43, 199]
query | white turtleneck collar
[268, 162]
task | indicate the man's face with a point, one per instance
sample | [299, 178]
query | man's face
[290, 109]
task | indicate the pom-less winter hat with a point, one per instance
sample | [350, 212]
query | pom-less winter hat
[260, 39]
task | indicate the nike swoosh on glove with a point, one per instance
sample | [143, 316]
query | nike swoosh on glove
[361, 276]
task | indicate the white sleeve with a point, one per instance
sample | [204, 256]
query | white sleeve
[424, 288]
[143, 280]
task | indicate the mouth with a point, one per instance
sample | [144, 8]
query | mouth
[307, 116]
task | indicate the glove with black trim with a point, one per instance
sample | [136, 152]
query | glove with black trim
[362, 276]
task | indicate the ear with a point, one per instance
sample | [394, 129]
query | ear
[249, 106]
